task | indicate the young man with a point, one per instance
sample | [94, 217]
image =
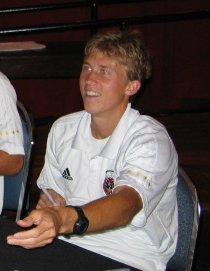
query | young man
[119, 168]
[11, 135]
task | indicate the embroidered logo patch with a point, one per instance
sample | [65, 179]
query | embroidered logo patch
[66, 174]
[143, 179]
[109, 182]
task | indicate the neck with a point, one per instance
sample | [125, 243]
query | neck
[102, 127]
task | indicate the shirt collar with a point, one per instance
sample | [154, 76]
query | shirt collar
[111, 148]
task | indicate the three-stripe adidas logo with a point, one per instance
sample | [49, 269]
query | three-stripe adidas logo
[66, 174]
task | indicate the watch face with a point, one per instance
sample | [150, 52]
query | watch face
[81, 226]
[82, 222]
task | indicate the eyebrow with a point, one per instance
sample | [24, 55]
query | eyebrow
[99, 65]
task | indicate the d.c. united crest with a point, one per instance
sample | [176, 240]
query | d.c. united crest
[109, 182]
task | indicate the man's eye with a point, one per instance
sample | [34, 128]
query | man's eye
[105, 71]
[86, 68]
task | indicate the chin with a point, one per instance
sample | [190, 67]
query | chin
[92, 111]
[90, 107]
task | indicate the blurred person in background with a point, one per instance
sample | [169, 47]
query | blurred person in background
[11, 134]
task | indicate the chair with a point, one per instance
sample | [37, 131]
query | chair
[188, 221]
[16, 192]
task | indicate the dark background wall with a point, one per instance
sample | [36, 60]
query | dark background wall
[180, 50]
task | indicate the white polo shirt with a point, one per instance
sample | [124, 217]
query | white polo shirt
[11, 136]
[140, 154]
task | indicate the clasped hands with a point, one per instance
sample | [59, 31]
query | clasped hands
[45, 222]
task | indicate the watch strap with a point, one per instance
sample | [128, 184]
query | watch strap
[82, 223]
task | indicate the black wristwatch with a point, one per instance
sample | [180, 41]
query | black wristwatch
[82, 222]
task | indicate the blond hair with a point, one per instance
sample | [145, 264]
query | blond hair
[128, 48]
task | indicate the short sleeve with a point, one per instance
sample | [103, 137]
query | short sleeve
[11, 134]
[149, 165]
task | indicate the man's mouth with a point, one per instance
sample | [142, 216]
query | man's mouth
[92, 93]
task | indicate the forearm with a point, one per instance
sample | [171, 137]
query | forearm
[10, 164]
[106, 213]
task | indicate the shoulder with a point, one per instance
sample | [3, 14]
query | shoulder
[3, 77]
[148, 129]
[148, 138]
[142, 130]
[6, 88]
[144, 124]
[68, 120]
[67, 123]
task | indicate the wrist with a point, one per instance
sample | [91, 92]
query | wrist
[68, 217]
[77, 221]
[82, 223]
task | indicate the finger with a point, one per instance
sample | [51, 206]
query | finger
[25, 222]
[36, 237]
[30, 242]
[32, 219]
[30, 239]
[38, 206]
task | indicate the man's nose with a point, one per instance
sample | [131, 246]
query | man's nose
[92, 75]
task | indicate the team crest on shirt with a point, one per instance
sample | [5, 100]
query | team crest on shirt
[108, 184]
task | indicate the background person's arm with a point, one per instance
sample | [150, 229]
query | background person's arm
[10, 164]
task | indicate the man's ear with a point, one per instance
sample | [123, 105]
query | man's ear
[133, 87]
